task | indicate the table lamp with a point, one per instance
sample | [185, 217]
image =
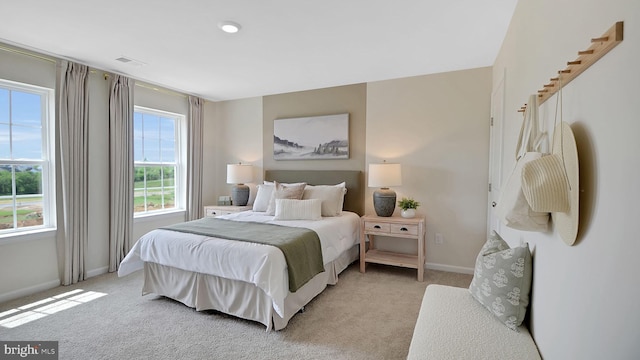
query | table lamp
[239, 174]
[383, 176]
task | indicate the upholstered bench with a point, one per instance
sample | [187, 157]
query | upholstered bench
[453, 325]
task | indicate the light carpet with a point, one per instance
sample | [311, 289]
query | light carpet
[365, 316]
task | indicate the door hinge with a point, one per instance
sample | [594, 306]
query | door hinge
[491, 121]
[489, 187]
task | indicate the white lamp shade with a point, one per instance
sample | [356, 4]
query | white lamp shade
[385, 175]
[239, 173]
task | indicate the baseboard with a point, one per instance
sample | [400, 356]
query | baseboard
[98, 271]
[450, 268]
[29, 290]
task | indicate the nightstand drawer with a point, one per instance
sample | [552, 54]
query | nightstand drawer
[215, 212]
[377, 226]
[404, 229]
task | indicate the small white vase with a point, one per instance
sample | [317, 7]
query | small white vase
[409, 213]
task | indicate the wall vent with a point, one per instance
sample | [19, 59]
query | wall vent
[130, 61]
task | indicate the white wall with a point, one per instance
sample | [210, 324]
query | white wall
[584, 300]
[437, 128]
[233, 134]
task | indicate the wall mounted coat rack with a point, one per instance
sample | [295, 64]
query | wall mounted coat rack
[599, 47]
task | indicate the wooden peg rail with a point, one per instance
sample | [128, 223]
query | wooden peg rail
[599, 46]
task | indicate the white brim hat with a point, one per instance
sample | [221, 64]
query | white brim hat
[566, 223]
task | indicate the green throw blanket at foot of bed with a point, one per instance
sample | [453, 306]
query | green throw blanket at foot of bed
[300, 246]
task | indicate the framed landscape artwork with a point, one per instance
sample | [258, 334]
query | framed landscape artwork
[311, 138]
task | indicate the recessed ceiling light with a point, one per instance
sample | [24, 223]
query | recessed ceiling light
[229, 27]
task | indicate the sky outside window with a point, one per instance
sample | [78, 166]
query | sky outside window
[20, 125]
[154, 138]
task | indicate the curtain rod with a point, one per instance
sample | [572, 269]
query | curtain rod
[160, 89]
[145, 85]
[27, 53]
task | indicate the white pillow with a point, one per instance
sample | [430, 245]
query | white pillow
[332, 197]
[263, 195]
[288, 209]
[284, 191]
[253, 189]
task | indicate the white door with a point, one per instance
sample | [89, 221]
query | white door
[495, 155]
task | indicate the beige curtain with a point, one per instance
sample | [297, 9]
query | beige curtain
[120, 169]
[194, 158]
[73, 112]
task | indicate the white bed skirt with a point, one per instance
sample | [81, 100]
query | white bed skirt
[238, 298]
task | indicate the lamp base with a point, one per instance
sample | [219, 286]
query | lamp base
[384, 202]
[239, 195]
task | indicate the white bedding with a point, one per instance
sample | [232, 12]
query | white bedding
[262, 265]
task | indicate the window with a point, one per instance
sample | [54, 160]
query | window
[26, 167]
[157, 182]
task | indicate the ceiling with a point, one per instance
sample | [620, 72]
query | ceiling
[283, 46]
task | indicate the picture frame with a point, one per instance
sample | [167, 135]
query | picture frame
[311, 138]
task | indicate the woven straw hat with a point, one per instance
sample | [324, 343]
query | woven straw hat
[550, 184]
[545, 184]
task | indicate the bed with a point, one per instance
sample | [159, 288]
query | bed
[245, 279]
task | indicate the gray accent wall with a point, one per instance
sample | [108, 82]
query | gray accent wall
[351, 99]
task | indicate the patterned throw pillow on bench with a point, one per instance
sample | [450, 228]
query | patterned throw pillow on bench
[502, 280]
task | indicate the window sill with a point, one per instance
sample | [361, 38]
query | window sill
[29, 235]
[159, 216]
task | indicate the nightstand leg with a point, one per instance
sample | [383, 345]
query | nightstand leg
[363, 250]
[421, 254]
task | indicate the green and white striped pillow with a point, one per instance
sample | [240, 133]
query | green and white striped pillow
[289, 209]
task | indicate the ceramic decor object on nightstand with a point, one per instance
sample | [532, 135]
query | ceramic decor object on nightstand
[396, 227]
[217, 210]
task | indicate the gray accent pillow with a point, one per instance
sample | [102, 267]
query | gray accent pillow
[502, 280]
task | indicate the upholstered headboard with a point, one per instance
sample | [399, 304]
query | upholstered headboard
[353, 200]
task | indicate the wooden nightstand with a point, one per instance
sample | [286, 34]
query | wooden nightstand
[217, 210]
[397, 227]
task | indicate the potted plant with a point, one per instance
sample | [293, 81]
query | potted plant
[408, 207]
